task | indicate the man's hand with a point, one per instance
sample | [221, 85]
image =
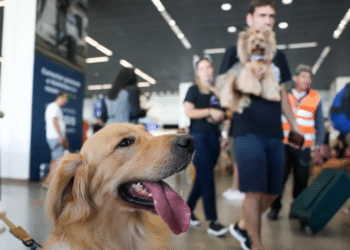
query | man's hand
[63, 141]
[317, 157]
[325, 151]
[216, 115]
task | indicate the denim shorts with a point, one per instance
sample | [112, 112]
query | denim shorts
[260, 163]
[56, 149]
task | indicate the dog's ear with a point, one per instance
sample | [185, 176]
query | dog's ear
[242, 46]
[271, 44]
[68, 196]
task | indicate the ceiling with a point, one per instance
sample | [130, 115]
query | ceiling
[135, 31]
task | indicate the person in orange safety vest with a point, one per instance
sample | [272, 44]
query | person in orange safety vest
[307, 108]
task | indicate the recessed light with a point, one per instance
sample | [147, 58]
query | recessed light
[283, 25]
[180, 36]
[226, 6]
[172, 22]
[232, 29]
[287, 1]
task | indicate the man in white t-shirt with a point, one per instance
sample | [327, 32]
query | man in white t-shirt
[56, 130]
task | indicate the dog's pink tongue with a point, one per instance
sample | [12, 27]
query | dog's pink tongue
[170, 206]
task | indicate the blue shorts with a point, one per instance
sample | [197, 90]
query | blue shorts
[341, 123]
[57, 150]
[260, 163]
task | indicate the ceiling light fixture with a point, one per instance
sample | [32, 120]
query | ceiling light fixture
[126, 64]
[320, 59]
[159, 5]
[107, 86]
[94, 87]
[342, 25]
[287, 1]
[97, 59]
[172, 24]
[99, 86]
[302, 45]
[226, 6]
[281, 46]
[143, 84]
[232, 29]
[98, 46]
[283, 25]
[215, 51]
[145, 76]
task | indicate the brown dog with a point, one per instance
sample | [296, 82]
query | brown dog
[253, 74]
[98, 198]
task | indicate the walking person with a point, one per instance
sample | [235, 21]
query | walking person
[258, 138]
[307, 108]
[122, 103]
[56, 131]
[203, 108]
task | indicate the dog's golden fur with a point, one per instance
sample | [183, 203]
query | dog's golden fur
[250, 77]
[83, 199]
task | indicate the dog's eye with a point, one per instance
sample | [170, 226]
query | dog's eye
[126, 142]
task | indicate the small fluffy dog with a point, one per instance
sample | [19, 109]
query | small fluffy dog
[254, 74]
[102, 197]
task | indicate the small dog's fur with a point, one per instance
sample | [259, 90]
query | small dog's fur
[250, 77]
[91, 198]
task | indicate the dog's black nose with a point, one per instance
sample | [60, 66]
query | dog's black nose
[185, 142]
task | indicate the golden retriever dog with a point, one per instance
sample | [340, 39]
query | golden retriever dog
[254, 74]
[100, 198]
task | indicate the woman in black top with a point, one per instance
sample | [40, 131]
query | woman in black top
[203, 108]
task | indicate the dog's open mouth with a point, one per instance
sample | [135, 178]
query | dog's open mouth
[158, 197]
[258, 51]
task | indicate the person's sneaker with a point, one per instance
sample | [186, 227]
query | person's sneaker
[216, 229]
[233, 195]
[194, 221]
[241, 235]
[272, 215]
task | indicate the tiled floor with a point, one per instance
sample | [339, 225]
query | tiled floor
[23, 204]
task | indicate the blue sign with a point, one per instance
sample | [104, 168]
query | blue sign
[49, 79]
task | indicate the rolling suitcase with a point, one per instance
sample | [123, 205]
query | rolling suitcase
[317, 204]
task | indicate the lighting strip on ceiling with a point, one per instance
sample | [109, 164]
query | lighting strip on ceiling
[97, 59]
[98, 46]
[302, 45]
[172, 24]
[126, 64]
[143, 84]
[320, 59]
[138, 71]
[145, 76]
[215, 51]
[342, 25]
[99, 86]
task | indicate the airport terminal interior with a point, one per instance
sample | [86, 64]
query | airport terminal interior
[78, 47]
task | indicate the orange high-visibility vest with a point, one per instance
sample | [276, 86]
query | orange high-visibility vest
[304, 113]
